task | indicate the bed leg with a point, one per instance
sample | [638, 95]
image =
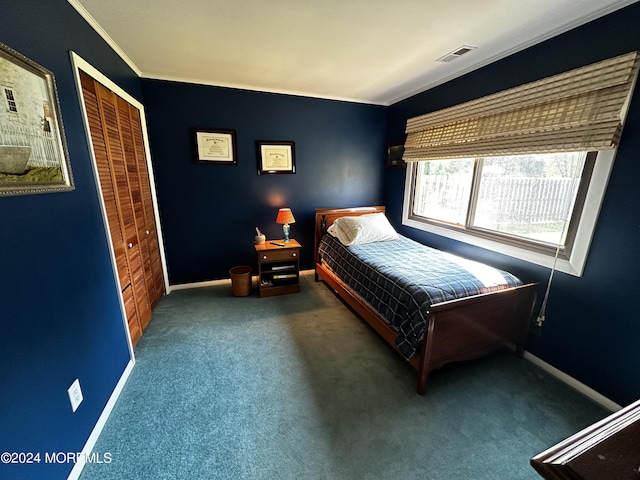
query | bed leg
[424, 365]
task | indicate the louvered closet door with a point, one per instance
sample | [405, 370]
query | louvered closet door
[107, 186]
[155, 277]
[114, 131]
[131, 130]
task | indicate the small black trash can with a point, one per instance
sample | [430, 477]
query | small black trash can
[240, 281]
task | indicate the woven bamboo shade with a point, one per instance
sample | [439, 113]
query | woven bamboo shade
[573, 111]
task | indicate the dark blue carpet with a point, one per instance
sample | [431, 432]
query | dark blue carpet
[297, 387]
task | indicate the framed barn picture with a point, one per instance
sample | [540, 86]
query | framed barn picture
[33, 151]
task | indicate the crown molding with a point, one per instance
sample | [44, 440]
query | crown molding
[105, 36]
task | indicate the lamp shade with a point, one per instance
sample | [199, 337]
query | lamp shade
[285, 216]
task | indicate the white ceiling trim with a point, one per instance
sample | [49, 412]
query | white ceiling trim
[105, 36]
[254, 89]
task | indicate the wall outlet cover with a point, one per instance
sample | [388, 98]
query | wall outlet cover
[75, 395]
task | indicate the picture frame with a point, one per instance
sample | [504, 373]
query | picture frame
[33, 151]
[215, 146]
[276, 157]
[394, 156]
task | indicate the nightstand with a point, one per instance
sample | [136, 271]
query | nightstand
[278, 267]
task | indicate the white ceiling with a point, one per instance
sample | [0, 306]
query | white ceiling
[371, 51]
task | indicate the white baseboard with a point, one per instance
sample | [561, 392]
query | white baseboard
[210, 283]
[102, 420]
[573, 383]
[223, 281]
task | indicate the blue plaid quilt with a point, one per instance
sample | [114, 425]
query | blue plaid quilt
[402, 278]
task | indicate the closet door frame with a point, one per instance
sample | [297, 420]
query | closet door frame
[80, 64]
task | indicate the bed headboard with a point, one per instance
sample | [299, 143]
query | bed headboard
[326, 216]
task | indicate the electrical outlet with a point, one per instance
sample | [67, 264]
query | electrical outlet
[75, 395]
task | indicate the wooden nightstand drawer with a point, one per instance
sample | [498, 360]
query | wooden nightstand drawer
[277, 255]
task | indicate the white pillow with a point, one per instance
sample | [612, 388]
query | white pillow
[373, 227]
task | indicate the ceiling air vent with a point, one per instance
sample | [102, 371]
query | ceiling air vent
[457, 53]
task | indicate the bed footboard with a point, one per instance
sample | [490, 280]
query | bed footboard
[472, 327]
[457, 330]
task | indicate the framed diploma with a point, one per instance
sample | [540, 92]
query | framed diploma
[276, 157]
[215, 146]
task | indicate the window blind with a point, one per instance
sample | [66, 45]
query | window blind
[574, 111]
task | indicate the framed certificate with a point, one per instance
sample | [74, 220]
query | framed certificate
[215, 146]
[276, 157]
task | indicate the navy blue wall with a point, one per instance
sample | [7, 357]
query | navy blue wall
[592, 324]
[60, 317]
[208, 212]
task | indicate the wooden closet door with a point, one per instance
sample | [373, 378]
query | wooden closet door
[116, 133]
[111, 125]
[107, 180]
[135, 158]
[155, 278]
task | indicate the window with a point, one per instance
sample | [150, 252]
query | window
[530, 197]
[504, 171]
[10, 100]
[527, 206]
[527, 197]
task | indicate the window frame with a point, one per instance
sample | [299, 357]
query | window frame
[592, 189]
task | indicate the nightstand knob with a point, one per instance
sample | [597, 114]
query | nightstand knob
[264, 257]
[130, 245]
[293, 254]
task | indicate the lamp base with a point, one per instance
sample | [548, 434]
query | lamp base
[286, 229]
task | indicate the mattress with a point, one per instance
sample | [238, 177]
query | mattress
[402, 278]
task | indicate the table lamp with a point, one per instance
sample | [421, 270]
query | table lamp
[285, 217]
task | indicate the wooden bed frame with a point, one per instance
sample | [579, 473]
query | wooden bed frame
[457, 330]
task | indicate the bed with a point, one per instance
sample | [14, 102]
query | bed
[439, 324]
